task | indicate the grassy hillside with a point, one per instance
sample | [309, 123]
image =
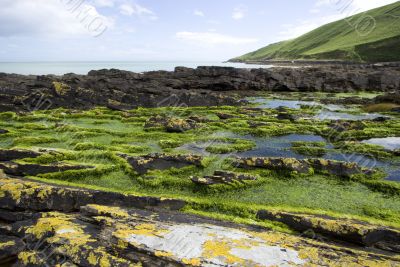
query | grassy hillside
[371, 36]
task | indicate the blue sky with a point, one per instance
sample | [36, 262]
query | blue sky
[136, 30]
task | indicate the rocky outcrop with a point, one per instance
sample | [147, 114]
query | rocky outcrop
[20, 195]
[344, 229]
[13, 154]
[19, 169]
[78, 233]
[172, 125]
[223, 177]
[204, 86]
[342, 126]
[306, 166]
[143, 164]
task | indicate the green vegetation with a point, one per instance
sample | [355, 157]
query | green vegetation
[316, 149]
[372, 36]
[98, 137]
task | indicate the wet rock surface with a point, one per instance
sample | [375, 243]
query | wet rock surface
[107, 235]
[204, 86]
[143, 164]
[222, 177]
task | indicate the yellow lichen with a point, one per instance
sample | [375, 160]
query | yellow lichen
[214, 249]
[163, 254]
[192, 262]
[61, 88]
[92, 259]
[7, 244]
[29, 257]
[111, 211]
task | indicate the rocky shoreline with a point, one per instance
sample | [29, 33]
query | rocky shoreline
[204, 86]
[61, 226]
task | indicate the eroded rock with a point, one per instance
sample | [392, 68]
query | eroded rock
[306, 166]
[342, 126]
[173, 125]
[19, 169]
[13, 154]
[18, 194]
[344, 229]
[143, 164]
[223, 177]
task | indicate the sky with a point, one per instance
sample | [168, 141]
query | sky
[158, 30]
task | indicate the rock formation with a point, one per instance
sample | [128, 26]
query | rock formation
[204, 86]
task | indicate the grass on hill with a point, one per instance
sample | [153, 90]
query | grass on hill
[372, 36]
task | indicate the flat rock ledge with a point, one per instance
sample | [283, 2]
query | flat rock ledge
[142, 164]
[39, 230]
[306, 166]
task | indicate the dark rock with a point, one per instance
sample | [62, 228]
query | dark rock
[3, 131]
[381, 119]
[222, 177]
[286, 116]
[9, 249]
[342, 126]
[225, 116]
[120, 90]
[344, 229]
[13, 154]
[396, 109]
[17, 169]
[161, 162]
[396, 152]
[390, 97]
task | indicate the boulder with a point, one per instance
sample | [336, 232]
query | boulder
[143, 164]
[222, 177]
[3, 131]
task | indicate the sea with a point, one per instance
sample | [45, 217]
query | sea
[60, 68]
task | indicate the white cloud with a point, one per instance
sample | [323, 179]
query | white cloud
[103, 3]
[49, 17]
[198, 13]
[213, 38]
[137, 10]
[351, 7]
[239, 12]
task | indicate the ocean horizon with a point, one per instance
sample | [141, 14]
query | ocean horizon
[83, 67]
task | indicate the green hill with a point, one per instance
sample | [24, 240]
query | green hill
[372, 36]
